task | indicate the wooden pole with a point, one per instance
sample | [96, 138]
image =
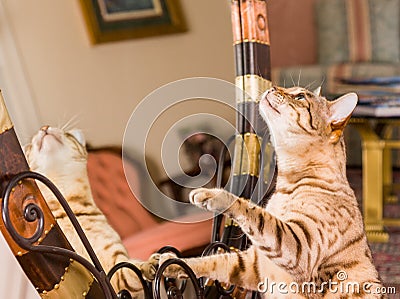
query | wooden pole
[253, 77]
[251, 44]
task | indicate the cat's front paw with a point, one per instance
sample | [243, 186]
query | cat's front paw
[173, 270]
[215, 200]
[149, 267]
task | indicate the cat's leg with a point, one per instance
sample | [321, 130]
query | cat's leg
[248, 269]
[286, 244]
[238, 268]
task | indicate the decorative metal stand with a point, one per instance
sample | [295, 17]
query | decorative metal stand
[251, 174]
[42, 249]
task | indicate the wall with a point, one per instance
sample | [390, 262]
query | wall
[293, 33]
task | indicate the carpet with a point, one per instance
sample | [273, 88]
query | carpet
[386, 255]
[387, 260]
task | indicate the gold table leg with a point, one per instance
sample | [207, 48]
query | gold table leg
[372, 173]
[372, 176]
[388, 195]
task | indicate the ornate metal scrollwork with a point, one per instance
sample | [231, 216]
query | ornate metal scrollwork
[124, 294]
[33, 212]
[173, 292]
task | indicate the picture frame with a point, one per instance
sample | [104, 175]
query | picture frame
[115, 20]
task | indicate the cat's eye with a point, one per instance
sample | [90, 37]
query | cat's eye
[300, 96]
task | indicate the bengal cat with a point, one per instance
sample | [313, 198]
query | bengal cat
[311, 233]
[62, 157]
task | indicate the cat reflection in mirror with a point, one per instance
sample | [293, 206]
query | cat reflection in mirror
[61, 156]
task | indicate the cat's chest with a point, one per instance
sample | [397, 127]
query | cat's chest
[283, 206]
[278, 206]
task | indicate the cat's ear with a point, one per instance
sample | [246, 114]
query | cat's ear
[340, 112]
[317, 92]
[78, 135]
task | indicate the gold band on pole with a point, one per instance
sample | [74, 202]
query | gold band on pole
[254, 86]
[248, 148]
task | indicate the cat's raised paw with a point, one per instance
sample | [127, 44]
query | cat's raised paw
[149, 267]
[173, 270]
[216, 200]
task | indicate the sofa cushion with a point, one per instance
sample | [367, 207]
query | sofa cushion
[358, 30]
[113, 195]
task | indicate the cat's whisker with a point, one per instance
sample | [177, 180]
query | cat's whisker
[291, 77]
[323, 81]
[61, 121]
[298, 79]
[63, 127]
[308, 86]
[72, 122]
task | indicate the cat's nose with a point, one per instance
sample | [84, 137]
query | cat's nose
[44, 128]
[272, 89]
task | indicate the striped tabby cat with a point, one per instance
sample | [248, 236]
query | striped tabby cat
[311, 234]
[61, 156]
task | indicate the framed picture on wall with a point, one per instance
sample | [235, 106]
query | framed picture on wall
[113, 20]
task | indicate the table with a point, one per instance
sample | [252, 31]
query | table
[377, 180]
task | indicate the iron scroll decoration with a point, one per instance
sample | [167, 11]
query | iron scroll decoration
[33, 213]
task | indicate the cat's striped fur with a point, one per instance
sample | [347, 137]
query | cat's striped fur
[62, 157]
[311, 229]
